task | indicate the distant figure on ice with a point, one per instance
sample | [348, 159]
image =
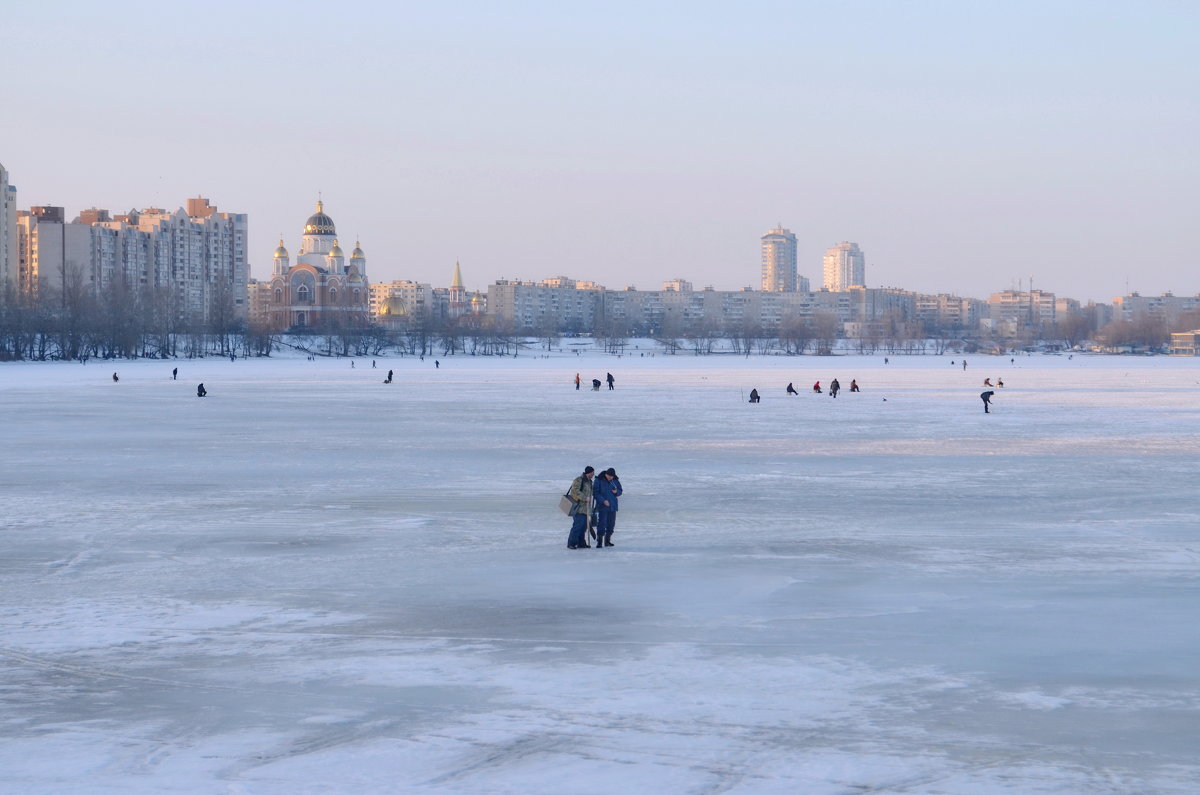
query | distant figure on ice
[595, 384]
[437, 364]
[987, 400]
[754, 398]
[791, 390]
[372, 364]
[580, 493]
[577, 382]
[610, 380]
[115, 379]
[817, 387]
[351, 364]
[834, 388]
[885, 360]
[987, 382]
[964, 364]
[233, 357]
[388, 380]
[201, 391]
[853, 385]
[1000, 382]
[175, 374]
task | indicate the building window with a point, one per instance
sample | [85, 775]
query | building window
[302, 295]
[332, 295]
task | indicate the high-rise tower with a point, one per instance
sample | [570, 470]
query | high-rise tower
[8, 233]
[779, 261]
[844, 267]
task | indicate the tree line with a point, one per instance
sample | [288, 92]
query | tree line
[74, 322]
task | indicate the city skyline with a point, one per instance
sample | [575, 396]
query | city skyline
[629, 145]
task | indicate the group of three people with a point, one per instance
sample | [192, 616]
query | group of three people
[595, 508]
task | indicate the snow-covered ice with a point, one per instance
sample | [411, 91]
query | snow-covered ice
[310, 581]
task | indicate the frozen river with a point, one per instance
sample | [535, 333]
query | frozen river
[310, 581]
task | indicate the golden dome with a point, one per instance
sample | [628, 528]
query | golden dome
[357, 253]
[336, 251]
[281, 252]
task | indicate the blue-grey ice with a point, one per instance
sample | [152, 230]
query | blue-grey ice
[311, 581]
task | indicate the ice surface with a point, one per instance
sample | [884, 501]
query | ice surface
[310, 581]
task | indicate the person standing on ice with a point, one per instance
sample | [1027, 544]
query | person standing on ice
[580, 494]
[577, 382]
[834, 388]
[175, 374]
[607, 489]
[609, 378]
[987, 400]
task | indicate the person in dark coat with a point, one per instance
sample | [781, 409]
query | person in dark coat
[115, 379]
[987, 400]
[581, 494]
[175, 374]
[610, 380]
[791, 390]
[834, 388]
[595, 384]
[201, 391]
[607, 489]
[754, 398]
[389, 378]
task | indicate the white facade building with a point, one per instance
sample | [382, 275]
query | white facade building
[198, 256]
[779, 261]
[8, 234]
[844, 266]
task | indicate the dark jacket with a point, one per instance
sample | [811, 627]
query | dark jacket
[607, 490]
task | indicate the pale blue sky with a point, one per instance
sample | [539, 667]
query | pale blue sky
[963, 145]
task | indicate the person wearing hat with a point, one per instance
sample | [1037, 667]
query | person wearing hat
[581, 494]
[608, 489]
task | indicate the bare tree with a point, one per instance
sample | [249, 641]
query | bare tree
[795, 334]
[668, 330]
[825, 326]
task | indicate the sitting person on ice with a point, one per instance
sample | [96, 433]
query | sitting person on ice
[853, 385]
[791, 390]
[595, 384]
[987, 382]
[754, 398]
[817, 387]
[201, 391]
